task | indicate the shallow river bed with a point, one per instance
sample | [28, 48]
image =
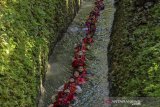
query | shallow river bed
[59, 68]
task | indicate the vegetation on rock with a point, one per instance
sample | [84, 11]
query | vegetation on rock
[27, 29]
[135, 49]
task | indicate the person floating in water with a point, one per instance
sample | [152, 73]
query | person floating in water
[67, 94]
[84, 72]
[79, 47]
[100, 4]
[79, 61]
[88, 41]
[71, 85]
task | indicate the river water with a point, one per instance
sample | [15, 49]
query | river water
[59, 67]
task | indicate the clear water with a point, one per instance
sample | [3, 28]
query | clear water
[59, 68]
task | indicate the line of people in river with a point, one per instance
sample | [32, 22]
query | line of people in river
[67, 93]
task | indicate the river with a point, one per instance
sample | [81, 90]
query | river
[59, 66]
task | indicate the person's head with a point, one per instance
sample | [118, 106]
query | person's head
[89, 20]
[92, 26]
[67, 91]
[94, 17]
[88, 35]
[71, 79]
[76, 73]
[80, 68]
[80, 53]
[96, 8]
[75, 45]
[91, 14]
[93, 21]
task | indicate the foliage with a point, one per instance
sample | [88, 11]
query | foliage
[136, 53]
[27, 28]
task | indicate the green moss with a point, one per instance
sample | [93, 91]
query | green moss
[27, 29]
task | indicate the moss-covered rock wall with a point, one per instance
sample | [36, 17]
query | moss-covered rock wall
[134, 49]
[28, 31]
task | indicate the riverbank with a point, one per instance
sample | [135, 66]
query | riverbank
[134, 50]
[28, 29]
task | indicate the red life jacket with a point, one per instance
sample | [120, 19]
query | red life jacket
[101, 6]
[79, 48]
[76, 50]
[84, 47]
[78, 62]
[88, 31]
[84, 73]
[70, 97]
[80, 80]
[63, 99]
[88, 40]
[96, 13]
[83, 57]
[56, 104]
[70, 86]
[88, 24]
[92, 29]
[67, 99]
[58, 99]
